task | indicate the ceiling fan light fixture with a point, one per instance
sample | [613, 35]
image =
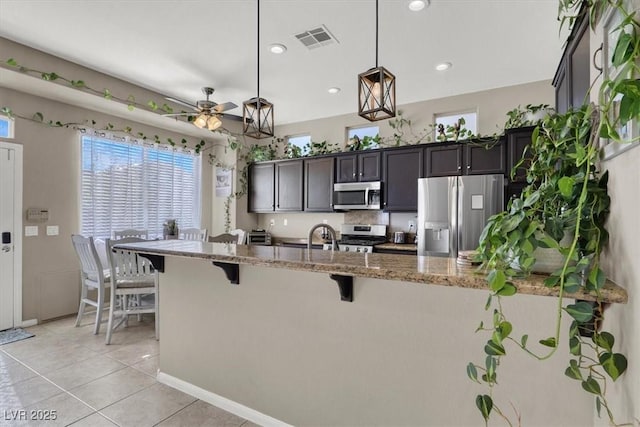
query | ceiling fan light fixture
[200, 121]
[376, 90]
[213, 123]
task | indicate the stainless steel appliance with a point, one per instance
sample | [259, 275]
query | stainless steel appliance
[357, 195]
[259, 237]
[359, 237]
[452, 211]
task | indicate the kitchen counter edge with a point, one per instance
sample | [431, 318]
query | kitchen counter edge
[419, 269]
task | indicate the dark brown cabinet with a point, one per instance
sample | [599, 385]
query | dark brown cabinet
[358, 167]
[517, 142]
[288, 185]
[318, 184]
[572, 76]
[471, 158]
[401, 169]
[443, 160]
[484, 158]
[261, 187]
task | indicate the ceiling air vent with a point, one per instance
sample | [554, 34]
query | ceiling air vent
[317, 37]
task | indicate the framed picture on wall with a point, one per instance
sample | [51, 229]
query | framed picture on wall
[627, 130]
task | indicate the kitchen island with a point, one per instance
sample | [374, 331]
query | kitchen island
[282, 346]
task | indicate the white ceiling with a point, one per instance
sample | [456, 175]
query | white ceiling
[175, 47]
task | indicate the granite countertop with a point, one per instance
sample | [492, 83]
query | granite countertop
[419, 269]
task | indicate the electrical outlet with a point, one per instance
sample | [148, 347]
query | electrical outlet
[53, 230]
[285, 222]
[272, 222]
[325, 221]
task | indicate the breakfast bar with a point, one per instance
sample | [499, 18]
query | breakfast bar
[283, 345]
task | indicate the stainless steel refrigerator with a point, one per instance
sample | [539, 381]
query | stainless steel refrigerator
[452, 212]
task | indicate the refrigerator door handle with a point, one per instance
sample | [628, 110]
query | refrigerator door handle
[453, 215]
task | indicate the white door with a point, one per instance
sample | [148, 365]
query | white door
[11, 239]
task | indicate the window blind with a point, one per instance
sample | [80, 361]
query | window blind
[128, 183]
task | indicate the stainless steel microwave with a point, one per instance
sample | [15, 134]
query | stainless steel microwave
[357, 195]
[259, 237]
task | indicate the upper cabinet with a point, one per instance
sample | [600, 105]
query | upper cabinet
[318, 184]
[288, 185]
[471, 158]
[572, 76]
[443, 160]
[401, 169]
[356, 167]
[261, 187]
[517, 142]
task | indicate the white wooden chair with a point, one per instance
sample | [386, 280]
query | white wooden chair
[131, 275]
[93, 276]
[194, 234]
[241, 235]
[130, 232]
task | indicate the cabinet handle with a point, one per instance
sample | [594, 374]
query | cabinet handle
[468, 166]
[360, 173]
[354, 174]
[459, 167]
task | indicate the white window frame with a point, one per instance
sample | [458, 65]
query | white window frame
[11, 126]
[349, 129]
[455, 115]
[303, 148]
[156, 181]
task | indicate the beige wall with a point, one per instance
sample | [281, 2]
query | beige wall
[51, 180]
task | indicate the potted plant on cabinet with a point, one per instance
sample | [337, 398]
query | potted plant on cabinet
[563, 208]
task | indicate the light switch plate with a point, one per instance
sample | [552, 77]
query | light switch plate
[53, 230]
[30, 230]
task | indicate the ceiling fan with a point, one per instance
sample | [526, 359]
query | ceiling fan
[207, 113]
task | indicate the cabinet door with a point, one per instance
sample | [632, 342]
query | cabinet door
[580, 65]
[369, 166]
[261, 188]
[517, 141]
[401, 170]
[318, 185]
[482, 159]
[347, 168]
[443, 160]
[289, 186]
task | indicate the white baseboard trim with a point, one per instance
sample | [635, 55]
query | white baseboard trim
[221, 402]
[29, 323]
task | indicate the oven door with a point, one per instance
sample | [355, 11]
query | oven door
[357, 195]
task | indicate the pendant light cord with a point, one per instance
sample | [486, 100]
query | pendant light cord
[258, 49]
[376, 33]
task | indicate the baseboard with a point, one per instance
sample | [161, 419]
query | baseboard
[221, 402]
[29, 323]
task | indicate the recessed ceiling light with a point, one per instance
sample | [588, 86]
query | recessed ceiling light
[277, 48]
[443, 66]
[333, 90]
[416, 5]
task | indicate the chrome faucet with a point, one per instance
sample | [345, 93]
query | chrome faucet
[329, 229]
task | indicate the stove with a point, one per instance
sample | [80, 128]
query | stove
[360, 237]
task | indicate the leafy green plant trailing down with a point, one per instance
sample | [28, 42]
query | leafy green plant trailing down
[530, 115]
[85, 125]
[566, 195]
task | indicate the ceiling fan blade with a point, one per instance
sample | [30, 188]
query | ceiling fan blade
[232, 117]
[219, 108]
[180, 114]
[178, 101]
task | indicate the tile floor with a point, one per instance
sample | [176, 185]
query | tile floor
[87, 383]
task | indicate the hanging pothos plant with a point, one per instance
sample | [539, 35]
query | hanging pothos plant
[566, 196]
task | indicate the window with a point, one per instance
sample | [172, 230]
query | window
[130, 184]
[299, 144]
[450, 119]
[6, 127]
[362, 131]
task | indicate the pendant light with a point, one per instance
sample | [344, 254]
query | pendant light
[257, 113]
[376, 90]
